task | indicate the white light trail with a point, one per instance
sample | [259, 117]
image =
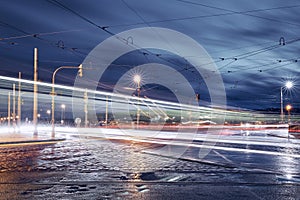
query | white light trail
[124, 99]
[137, 136]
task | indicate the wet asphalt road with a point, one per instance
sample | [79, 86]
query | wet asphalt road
[96, 168]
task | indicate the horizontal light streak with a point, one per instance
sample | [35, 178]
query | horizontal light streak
[136, 135]
[121, 98]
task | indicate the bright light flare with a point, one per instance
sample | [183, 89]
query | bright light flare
[289, 84]
[137, 78]
[288, 107]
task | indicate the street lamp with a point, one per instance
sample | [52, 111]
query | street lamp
[287, 85]
[53, 90]
[62, 117]
[137, 80]
[289, 108]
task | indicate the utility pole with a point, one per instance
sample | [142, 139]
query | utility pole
[8, 111]
[35, 90]
[14, 107]
[53, 109]
[85, 109]
[19, 103]
[106, 112]
[281, 105]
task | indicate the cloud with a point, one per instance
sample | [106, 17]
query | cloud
[224, 34]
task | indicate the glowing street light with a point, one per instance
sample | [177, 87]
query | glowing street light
[137, 80]
[288, 108]
[287, 85]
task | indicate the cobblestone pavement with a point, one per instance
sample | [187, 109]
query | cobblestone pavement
[101, 169]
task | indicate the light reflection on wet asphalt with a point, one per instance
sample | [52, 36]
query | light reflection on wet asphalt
[101, 169]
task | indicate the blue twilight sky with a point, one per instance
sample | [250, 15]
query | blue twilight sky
[242, 37]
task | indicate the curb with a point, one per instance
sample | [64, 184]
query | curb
[33, 141]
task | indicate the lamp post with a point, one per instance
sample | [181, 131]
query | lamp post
[19, 103]
[14, 107]
[35, 93]
[86, 100]
[106, 112]
[8, 111]
[289, 108]
[137, 80]
[287, 85]
[53, 91]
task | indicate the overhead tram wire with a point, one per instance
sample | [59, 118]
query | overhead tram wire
[243, 47]
[204, 16]
[258, 10]
[136, 13]
[36, 34]
[104, 28]
[243, 13]
[248, 68]
[255, 74]
[255, 52]
[146, 23]
[246, 55]
[251, 53]
[281, 64]
[262, 50]
[241, 56]
[55, 2]
[259, 71]
[49, 33]
[289, 61]
[259, 51]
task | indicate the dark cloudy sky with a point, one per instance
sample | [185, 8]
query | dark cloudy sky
[242, 37]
